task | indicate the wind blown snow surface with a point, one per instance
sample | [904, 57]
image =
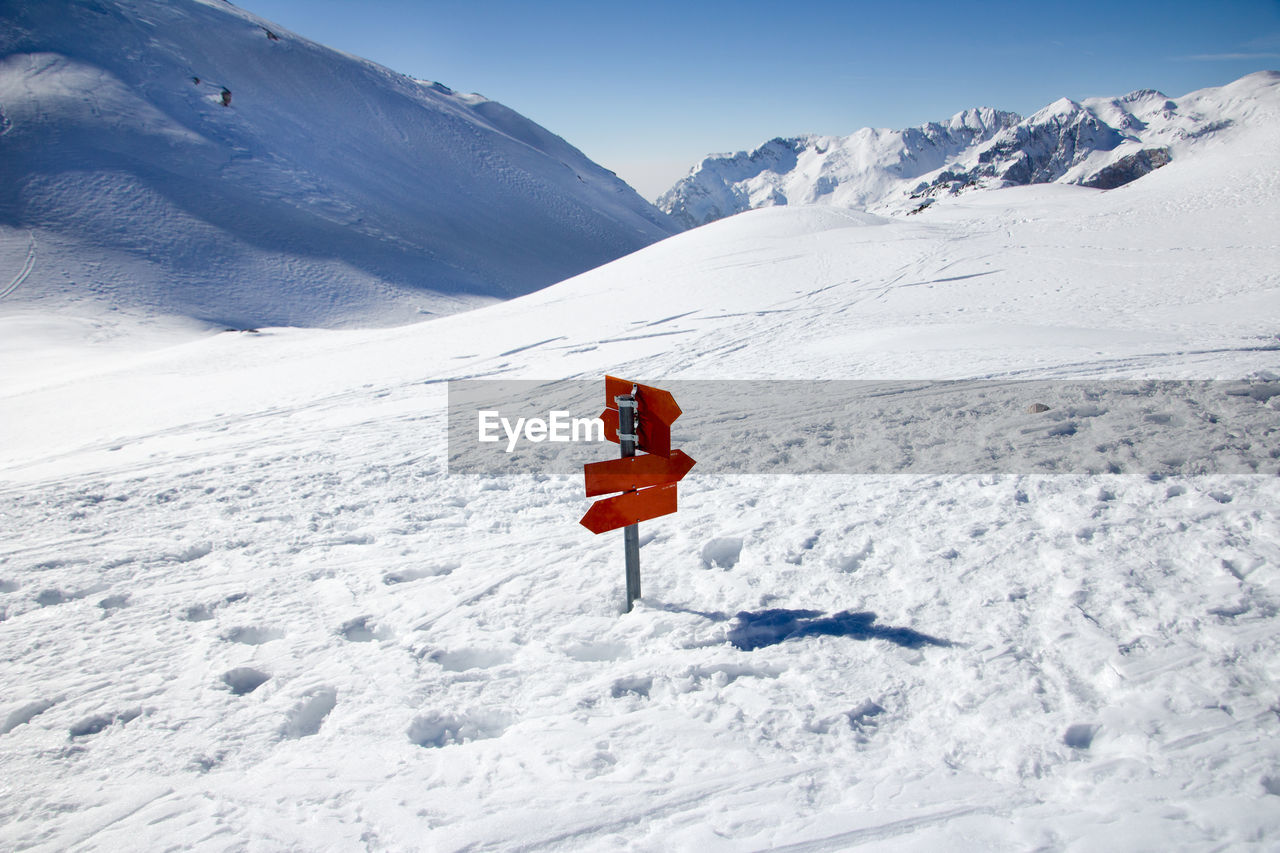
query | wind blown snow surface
[246, 606]
[187, 159]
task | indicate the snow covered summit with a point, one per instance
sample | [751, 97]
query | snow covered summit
[188, 158]
[851, 171]
[1100, 142]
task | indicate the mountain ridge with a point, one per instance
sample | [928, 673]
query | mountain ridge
[1098, 142]
[192, 159]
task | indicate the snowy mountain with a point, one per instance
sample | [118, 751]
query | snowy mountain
[1101, 142]
[244, 603]
[188, 158]
[852, 171]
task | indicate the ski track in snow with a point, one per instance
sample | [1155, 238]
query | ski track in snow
[27, 266]
[1055, 640]
[244, 604]
[273, 561]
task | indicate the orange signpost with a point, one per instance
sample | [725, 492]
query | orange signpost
[635, 472]
[656, 413]
[657, 404]
[629, 508]
[638, 416]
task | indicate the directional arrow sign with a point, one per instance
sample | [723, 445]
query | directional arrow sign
[656, 411]
[654, 436]
[647, 483]
[654, 402]
[635, 472]
[630, 508]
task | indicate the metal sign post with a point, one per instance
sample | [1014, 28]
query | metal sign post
[627, 439]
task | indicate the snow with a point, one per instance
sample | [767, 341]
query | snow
[245, 605]
[329, 192]
[895, 171]
[854, 171]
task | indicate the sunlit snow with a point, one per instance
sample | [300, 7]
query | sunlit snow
[244, 605]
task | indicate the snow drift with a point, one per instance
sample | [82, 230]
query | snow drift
[1100, 142]
[190, 158]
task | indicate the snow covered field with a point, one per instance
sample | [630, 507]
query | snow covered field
[245, 606]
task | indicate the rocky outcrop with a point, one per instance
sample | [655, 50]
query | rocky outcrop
[1102, 143]
[850, 171]
[1128, 168]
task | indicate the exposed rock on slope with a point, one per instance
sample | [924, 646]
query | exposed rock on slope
[850, 171]
[1102, 143]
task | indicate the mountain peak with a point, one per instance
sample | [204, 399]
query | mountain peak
[1143, 95]
[981, 118]
[1059, 108]
[848, 171]
[1100, 142]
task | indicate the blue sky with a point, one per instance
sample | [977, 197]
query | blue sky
[648, 89]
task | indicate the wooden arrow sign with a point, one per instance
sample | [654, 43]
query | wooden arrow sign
[635, 472]
[630, 508]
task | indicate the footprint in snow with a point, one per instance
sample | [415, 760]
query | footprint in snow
[407, 575]
[438, 729]
[244, 680]
[54, 596]
[309, 714]
[251, 635]
[1079, 735]
[854, 561]
[191, 553]
[95, 723]
[864, 718]
[461, 660]
[1230, 611]
[634, 686]
[197, 613]
[808, 544]
[112, 603]
[722, 553]
[860, 719]
[24, 714]
[204, 612]
[357, 630]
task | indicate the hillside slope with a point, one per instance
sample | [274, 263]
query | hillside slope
[1100, 142]
[326, 191]
[244, 603]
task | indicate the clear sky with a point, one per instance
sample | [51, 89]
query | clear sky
[649, 88]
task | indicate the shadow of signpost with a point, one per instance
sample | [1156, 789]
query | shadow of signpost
[769, 627]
